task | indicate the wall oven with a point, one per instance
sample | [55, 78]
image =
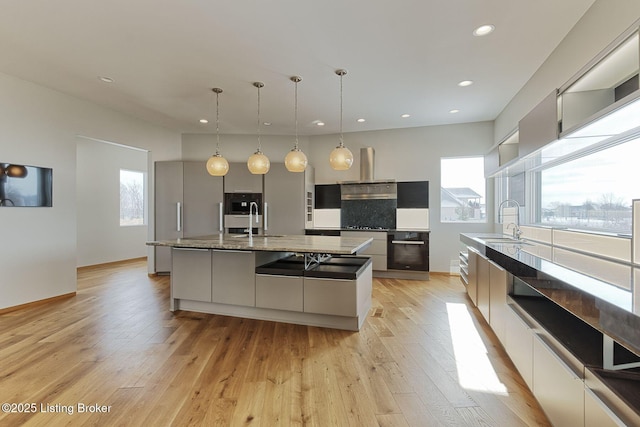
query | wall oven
[408, 250]
[238, 203]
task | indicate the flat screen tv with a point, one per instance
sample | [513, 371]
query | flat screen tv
[22, 185]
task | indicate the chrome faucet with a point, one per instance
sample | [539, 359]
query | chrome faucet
[516, 230]
[516, 225]
[251, 205]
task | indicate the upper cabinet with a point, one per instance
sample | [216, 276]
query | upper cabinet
[240, 180]
[539, 127]
[601, 102]
[606, 81]
[327, 196]
[413, 194]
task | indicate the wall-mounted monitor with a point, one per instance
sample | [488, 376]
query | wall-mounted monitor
[22, 185]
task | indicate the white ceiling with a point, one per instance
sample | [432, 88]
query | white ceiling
[402, 56]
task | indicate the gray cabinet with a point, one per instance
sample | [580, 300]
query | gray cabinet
[188, 203]
[378, 248]
[519, 343]
[203, 196]
[279, 292]
[472, 275]
[558, 388]
[285, 199]
[233, 277]
[540, 126]
[240, 180]
[497, 300]
[168, 209]
[483, 288]
[191, 274]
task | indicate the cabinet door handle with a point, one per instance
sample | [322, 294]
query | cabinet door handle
[614, 417]
[266, 217]
[220, 227]
[178, 216]
[407, 242]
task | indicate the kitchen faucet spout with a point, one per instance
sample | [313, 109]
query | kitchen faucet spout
[251, 205]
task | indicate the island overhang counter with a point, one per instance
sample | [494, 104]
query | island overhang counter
[311, 280]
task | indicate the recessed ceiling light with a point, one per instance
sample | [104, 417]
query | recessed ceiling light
[454, 111]
[318, 123]
[361, 120]
[267, 123]
[204, 121]
[404, 116]
[483, 30]
[465, 83]
[105, 79]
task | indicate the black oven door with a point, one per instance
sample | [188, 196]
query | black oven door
[408, 250]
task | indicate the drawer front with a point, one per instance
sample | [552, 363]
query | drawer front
[330, 296]
[377, 247]
[279, 292]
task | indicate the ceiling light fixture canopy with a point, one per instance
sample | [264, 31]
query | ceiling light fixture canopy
[217, 165]
[341, 157]
[296, 160]
[258, 163]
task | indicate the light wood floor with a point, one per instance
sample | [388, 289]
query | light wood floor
[422, 358]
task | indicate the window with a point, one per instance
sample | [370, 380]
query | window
[592, 192]
[462, 192]
[131, 198]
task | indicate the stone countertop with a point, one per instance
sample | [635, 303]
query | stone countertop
[334, 245]
[609, 308]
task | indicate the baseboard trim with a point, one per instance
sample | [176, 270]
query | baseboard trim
[37, 303]
[112, 263]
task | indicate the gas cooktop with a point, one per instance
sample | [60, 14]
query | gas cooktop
[364, 227]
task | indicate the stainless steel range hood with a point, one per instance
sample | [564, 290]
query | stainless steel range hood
[368, 187]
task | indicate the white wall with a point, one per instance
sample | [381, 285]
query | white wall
[101, 239]
[599, 26]
[39, 127]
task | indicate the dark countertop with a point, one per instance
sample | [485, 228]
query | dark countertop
[609, 308]
[419, 230]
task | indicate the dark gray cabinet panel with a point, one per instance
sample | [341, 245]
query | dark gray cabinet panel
[413, 194]
[327, 196]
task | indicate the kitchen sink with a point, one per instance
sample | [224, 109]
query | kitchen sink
[246, 236]
[509, 240]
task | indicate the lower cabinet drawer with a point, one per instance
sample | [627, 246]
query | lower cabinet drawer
[556, 386]
[279, 292]
[330, 296]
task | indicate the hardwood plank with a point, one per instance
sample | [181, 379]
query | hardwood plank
[115, 343]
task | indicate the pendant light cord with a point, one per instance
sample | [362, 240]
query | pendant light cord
[296, 113]
[259, 144]
[217, 123]
[341, 136]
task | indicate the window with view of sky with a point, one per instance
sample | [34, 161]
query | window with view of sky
[462, 192]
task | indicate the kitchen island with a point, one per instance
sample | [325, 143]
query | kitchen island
[311, 280]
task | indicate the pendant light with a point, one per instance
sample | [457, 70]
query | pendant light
[296, 160]
[217, 165]
[258, 163]
[341, 157]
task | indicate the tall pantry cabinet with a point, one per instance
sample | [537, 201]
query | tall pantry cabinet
[188, 203]
[288, 200]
